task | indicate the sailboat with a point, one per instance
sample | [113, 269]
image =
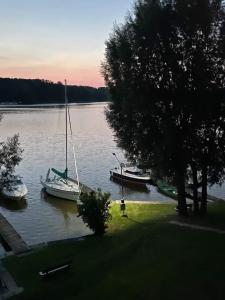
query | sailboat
[58, 183]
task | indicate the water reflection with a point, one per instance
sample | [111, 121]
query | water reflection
[13, 205]
[42, 137]
[67, 208]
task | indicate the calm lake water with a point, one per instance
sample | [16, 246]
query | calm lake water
[42, 135]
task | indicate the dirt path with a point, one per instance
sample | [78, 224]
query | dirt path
[198, 227]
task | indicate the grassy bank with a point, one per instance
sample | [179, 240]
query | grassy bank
[141, 257]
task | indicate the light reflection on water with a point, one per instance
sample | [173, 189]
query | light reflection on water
[41, 217]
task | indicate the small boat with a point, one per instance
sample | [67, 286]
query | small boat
[14, 190]
[130, 186]
[130, 174]
[167, 189]
[60, 185]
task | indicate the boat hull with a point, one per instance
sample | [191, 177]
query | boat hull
[167, 190]
[130, 185]
[67, 195]
[17, 193]
[136, 180]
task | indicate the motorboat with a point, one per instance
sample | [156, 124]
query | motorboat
[14, 189]
[130, 186]
[130, 174]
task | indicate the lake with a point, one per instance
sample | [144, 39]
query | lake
[39, 217]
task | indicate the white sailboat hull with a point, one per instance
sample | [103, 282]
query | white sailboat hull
[72, 194]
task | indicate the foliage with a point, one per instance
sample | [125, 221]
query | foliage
[32, 91]
[164, 69]
[10, 157]
[94, 210]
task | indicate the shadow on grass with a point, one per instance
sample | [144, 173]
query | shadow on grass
[215, 217]
[136, 257]
[135, 221]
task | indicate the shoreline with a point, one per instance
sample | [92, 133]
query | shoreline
[43, 244]
[127, 201]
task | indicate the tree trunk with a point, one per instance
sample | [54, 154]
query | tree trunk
[195, 189]
[203, 208]
[180, 182]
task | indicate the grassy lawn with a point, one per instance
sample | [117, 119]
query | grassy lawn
[141, 257]
[215, 217]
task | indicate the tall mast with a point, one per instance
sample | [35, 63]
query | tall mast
[66, 108]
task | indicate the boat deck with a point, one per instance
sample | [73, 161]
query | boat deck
[11, 237]
[84, 187]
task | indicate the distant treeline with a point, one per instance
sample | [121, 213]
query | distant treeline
[36, 91]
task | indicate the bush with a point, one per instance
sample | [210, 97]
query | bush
[94, 210]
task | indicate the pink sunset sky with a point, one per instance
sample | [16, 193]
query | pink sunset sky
[54, 39]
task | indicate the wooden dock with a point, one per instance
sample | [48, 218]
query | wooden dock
[84, 188]
[11, 237]
[209, 197]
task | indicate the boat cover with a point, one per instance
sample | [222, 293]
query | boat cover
[60, 174]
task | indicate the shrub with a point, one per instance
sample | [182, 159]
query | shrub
[94, 210]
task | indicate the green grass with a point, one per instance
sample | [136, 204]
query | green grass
[141, 257]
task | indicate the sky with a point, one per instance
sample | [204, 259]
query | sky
[57, 39]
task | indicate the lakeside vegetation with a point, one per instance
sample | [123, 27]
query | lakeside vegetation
[36, 91]
[140, 257]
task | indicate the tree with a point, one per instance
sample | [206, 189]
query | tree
[94, 210]
[32, 91]
[164, 71]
